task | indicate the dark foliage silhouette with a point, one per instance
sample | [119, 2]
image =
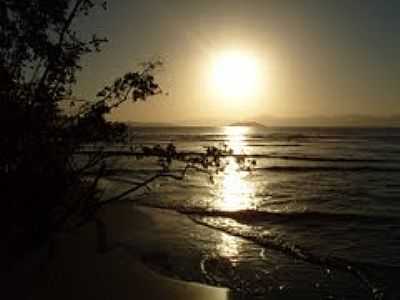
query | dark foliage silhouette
[40, 52]
[44, 190]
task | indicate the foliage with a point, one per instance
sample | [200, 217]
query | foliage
[44, 190]
[40, 54]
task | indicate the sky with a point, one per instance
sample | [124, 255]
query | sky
[314, 57]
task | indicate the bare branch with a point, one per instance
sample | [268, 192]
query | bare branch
[127, 192]
[145, 183]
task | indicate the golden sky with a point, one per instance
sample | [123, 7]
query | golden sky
[310, 57]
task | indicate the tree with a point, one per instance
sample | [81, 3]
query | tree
[40, 52]
[45, 191]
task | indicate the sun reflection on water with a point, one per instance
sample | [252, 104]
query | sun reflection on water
[234, 192]
[228, 246]
[236, 138]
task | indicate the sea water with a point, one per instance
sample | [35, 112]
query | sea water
[317, 217]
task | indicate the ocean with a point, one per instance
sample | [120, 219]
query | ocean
[317, 217]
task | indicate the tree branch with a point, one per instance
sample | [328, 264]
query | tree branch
[146, 183]
[64, 30]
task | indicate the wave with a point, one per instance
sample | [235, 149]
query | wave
[323, 159]
[248, 143]
[364, 272]
[287, 169]
[368, 273]
[291, 169]
[254, 155]
[262, 215]
[248, 216]
[267, 137]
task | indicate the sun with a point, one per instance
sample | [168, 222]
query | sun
[235, 75]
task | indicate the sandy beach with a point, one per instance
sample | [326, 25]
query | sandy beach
[79, 271]
[144, 253]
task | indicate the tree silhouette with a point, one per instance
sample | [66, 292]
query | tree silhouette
[44, 190]
[40, 53]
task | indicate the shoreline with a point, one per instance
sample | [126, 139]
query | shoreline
[79, 271]
[152, 253]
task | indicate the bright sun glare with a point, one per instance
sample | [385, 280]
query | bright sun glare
[235, 75]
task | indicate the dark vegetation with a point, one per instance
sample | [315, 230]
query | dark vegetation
[40, 51]
[43, 189]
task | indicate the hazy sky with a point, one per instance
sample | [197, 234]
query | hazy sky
[317, 57]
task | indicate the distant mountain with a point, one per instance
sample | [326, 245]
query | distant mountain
[273, 121]
[333, 121]
[248, 124]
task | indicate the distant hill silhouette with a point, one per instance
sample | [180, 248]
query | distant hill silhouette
[333, 121]
[273, 121]
[249, 124]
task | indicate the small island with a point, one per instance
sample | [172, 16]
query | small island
[248, 124]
